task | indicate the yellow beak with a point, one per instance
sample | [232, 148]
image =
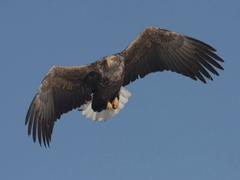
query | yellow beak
[109, 63]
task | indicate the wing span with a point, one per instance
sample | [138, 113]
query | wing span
[157, 49]
[61, 90]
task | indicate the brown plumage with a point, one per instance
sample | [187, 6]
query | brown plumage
[154, 49]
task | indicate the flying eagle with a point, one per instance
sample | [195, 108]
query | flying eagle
[97, 89]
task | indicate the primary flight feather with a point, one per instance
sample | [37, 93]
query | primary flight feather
[97, 89]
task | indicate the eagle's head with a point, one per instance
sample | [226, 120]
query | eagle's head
[113, 66]
[112, 62]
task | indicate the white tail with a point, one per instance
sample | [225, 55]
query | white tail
[104, 115]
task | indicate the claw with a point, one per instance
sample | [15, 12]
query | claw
[115, 103]
[109, 106]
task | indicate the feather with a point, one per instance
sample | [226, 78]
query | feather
[169, 51]
[104, 115]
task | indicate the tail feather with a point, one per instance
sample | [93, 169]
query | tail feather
[95, 116]
[104, 115]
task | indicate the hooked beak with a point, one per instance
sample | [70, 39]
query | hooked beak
[109, 63]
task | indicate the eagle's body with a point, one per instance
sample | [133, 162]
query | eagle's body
[98, 88]
[105, 80]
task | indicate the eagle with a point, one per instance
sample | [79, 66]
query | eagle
[97, 89]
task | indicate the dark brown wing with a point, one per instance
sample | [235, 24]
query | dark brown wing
[156, 49]
[61, 90]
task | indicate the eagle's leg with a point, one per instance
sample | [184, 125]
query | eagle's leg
[115, 103]
[109, 106]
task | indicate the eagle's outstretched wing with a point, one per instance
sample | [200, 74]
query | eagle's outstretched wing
[61, 90]
[156, 49]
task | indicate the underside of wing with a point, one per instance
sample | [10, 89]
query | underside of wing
[61, 91]
[156, 49]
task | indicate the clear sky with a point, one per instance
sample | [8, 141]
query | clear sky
[171, 128]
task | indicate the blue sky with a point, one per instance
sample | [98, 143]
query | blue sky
[171, 128]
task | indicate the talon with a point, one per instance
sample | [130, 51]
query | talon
[115, 103]
[109, 106]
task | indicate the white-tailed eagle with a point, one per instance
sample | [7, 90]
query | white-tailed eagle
[97, 89]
